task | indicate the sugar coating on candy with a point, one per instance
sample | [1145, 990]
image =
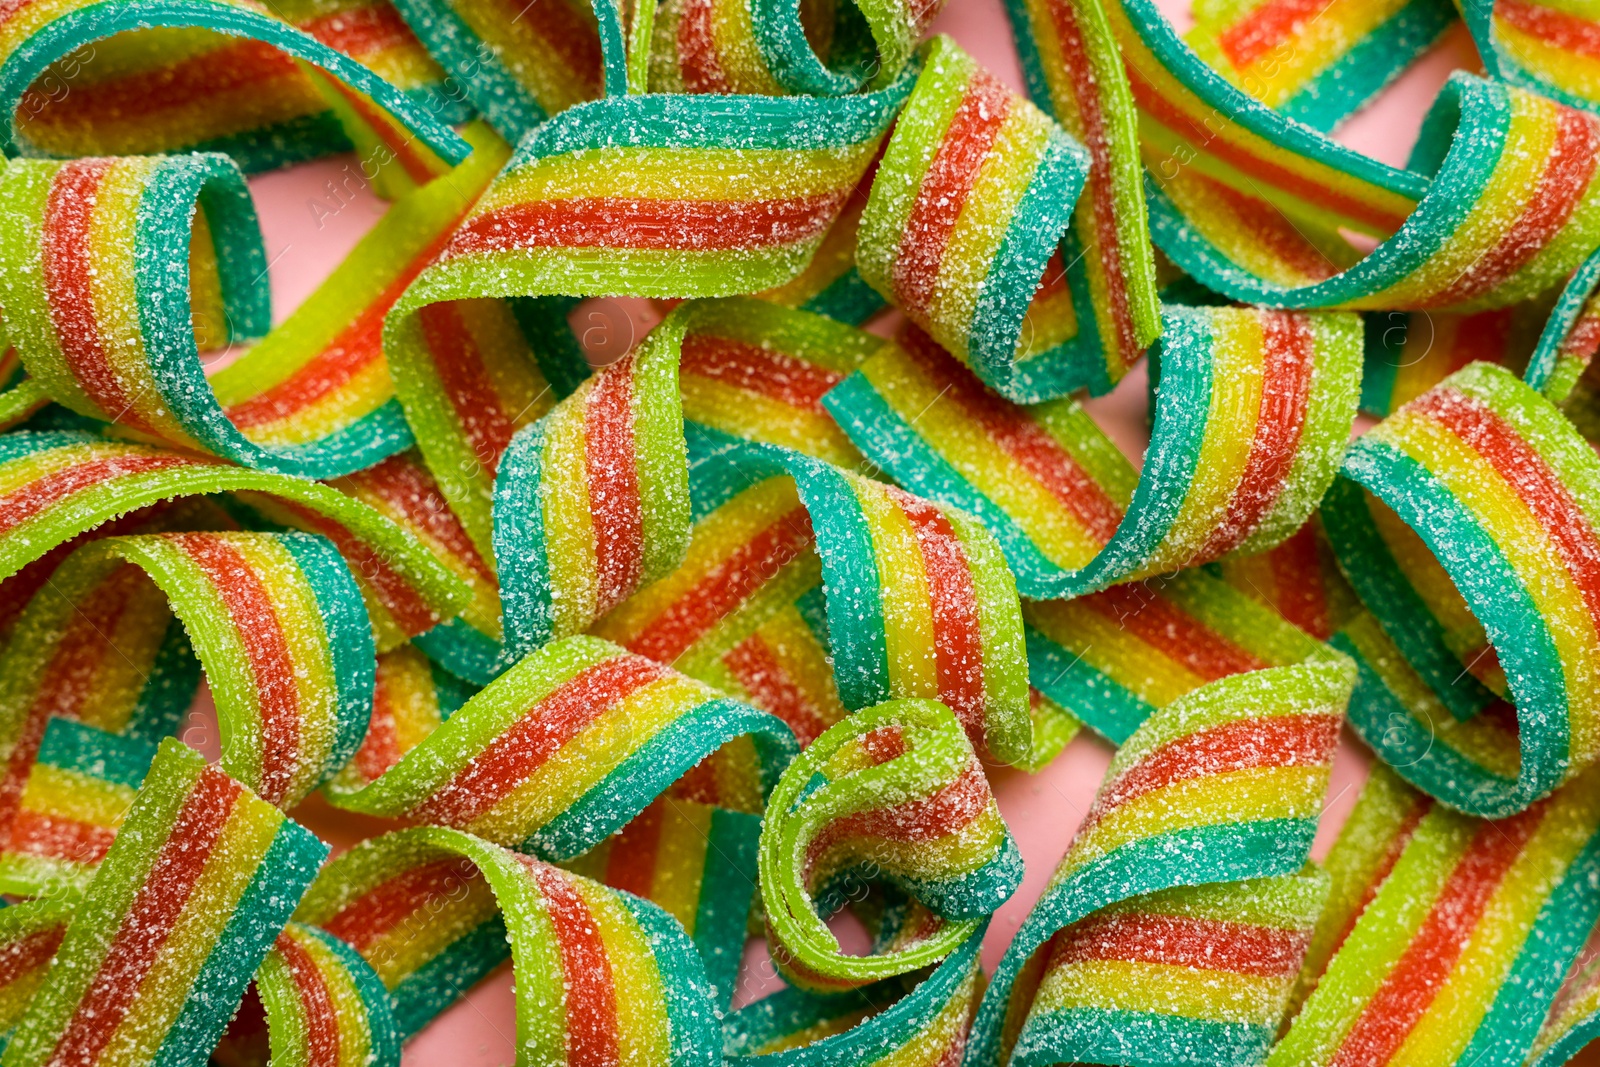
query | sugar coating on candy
[188, 901]
[566, 747]
[959, 226]
[894, 793]
[1249, 426]
[1113, 658]
[1508, 512]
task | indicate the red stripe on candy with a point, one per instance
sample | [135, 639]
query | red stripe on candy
[156, 909]
[37, 834]
[754, 369]
[613, 476]
[1411, 986]
[1560, 189]
[1173, 633]
[68, 266]
[1102, 179]
[1560, 516]
[363, 31]
[26, 954]
[1278, 741]
[541, 732]
[52, 487]
[956, 163]
[1182, 941]
[1025, 441]
[698, 62]
[320, 1012]
[387, 904]
[466, 382]
[1264, 28]
[591, 996]
[727, 585]
[953, 605]
[669, 225]
[1569, 32]
[1290, 361]
[631, 863]
[771, 689]
[266, 647]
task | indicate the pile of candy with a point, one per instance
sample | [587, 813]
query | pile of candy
[722, 638]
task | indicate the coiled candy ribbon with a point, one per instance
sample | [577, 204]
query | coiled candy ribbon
[606, 554]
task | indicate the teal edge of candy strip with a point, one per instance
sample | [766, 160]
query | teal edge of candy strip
[98, 21]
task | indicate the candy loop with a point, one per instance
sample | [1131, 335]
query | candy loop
[276, 621]
[313, 398]
[57, 484]
[1068, 509]
[1414, 950]
[596, 969]
[41, 33]
[1479, 593]
[1560, 364]
[186, 905]
[557, 222]
[891, 794]
[970, 202]
[784, 47]
[1537, 45]
[1073, 69]
[324, 1004]
[566, 747]
[1220, 786]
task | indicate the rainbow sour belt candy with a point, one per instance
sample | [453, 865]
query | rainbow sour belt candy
[1249, 422]
[894, 794]
[55, 485]
[128, 268]
[186, 904]
[1219, 787]
[38, 33]
[1546, 47]
[1465, 523]
[1449, 936]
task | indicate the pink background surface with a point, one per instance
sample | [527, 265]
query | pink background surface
[311, 216]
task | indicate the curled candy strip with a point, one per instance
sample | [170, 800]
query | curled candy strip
[969, 203]
[1113, 658]
[1250, 419]
[187, 903]
[568, 746]
[1073, 69]
[599, 972]
[1538, 45]
[277, 623]
[918, 600]
[41, 32]
[323, 1003]
[1464, 523]
[893, 793]
[1453, 933]
[57, 484]
[129, 266]
[1318, 71]
[560, 219]
[1220, 786]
